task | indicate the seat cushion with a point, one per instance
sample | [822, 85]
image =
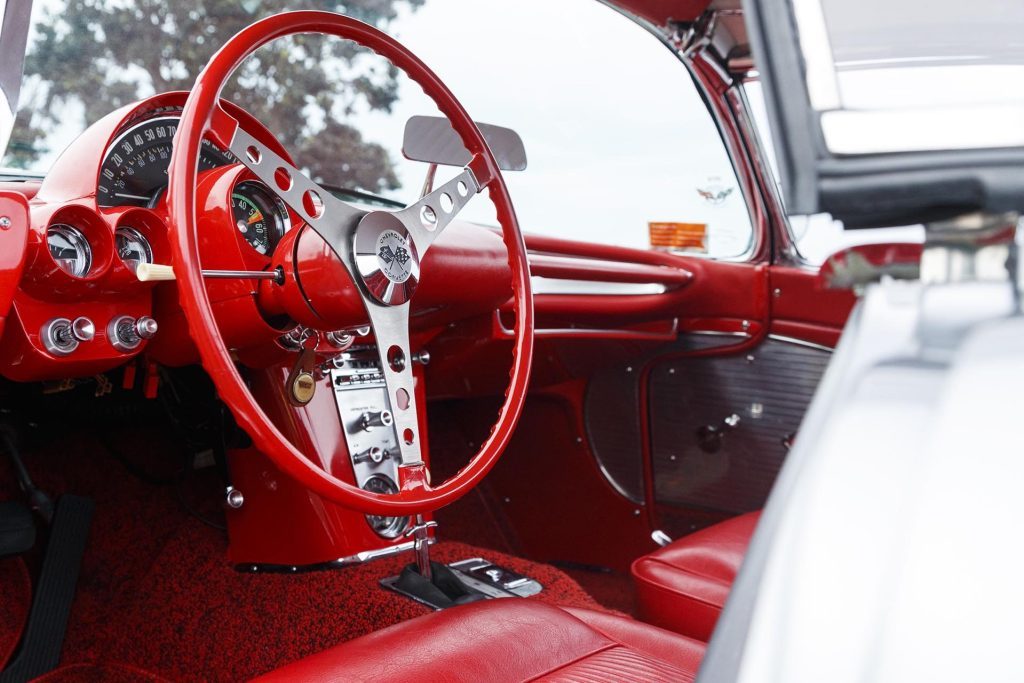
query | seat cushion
[683, 586]
[506, 640]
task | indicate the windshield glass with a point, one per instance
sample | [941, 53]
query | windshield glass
[617, 135]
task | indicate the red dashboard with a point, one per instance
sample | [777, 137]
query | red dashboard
[71, 304]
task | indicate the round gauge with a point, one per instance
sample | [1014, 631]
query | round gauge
[134, 170]
[69, 249]
[132, 247]
[388, 527]
[259, 215]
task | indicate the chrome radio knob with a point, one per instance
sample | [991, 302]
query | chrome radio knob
[83, 329]
[146, 327]
[381, 419]
[126, 333]
[340, 339]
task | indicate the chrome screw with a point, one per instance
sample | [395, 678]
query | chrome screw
[5, 222]
[234, 498]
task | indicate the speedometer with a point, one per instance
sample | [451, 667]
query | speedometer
[134, 169]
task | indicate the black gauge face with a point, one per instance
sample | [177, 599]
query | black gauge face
[132, 247]
[260, 216]
[69, 249]
[388, 527]
[134, 170]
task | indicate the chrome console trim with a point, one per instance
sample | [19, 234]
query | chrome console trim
[348, 560]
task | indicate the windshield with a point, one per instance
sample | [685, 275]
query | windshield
[617, 136]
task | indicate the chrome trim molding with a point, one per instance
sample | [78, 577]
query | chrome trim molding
[800, 342]
[546, 285]
[348, 560]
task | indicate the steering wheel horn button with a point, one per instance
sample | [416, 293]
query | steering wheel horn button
[386, 258]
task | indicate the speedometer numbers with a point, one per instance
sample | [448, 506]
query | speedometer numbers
[134, 170]
[134, 173]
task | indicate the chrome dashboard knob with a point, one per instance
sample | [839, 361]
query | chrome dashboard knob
[58, 338]
[381, 419]
[146, 327]
[83, 329]
[340, 339]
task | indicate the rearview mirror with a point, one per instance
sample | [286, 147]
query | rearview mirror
[433, 140]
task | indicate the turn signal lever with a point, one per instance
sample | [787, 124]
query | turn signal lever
[158, 272]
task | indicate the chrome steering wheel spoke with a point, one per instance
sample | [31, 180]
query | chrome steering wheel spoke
[427, 218]
[333, 219]
[391, 332]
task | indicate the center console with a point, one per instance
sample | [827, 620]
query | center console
[365, 415]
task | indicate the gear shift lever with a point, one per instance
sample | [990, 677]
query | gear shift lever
[431, 583]
[421, 546]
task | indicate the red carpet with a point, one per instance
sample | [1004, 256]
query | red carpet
[15, 600]
[155, 592]
[99, 673]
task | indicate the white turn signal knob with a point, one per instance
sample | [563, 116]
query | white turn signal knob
[154, 272]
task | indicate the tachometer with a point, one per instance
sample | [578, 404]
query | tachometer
[134, 169]
[259, 215]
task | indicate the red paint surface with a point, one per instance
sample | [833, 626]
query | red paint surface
[661, 12]
[13, 244]
[803, 309]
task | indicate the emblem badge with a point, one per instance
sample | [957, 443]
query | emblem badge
[394, 257]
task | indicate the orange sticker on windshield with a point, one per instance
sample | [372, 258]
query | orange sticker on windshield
[678, 236]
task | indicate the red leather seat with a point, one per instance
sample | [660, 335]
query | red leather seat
[506, 640]
[683, 586]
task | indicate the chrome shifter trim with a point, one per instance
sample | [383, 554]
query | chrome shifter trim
[348, 560]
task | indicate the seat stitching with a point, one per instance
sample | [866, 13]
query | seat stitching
[684, 570]
[552, 670]
[674, 592]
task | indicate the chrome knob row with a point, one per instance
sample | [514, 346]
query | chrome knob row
[62, 336]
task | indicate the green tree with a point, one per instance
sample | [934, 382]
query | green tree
[103, 54]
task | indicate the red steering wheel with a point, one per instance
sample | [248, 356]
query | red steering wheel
[366, 243]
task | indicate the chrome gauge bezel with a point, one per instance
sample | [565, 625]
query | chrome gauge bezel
[281, 216]
[139, 239]
[79, 243]
[392, 527]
